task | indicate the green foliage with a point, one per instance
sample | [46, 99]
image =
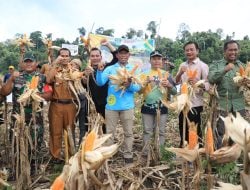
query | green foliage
[228, 173]
[166, 155]
[210, 43]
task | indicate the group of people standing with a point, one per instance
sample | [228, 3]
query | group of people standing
[115, 107]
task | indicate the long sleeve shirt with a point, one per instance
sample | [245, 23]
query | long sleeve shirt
[202, 74]
[230, 99]
[116, 100]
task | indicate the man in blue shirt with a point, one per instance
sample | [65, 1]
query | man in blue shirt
[120, 105]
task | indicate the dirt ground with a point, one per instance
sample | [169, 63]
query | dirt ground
[163, 175]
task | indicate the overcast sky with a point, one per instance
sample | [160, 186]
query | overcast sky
[63, 17]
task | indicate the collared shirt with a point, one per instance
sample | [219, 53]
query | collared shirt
[116, 100]
[202, 73]
[230, 99]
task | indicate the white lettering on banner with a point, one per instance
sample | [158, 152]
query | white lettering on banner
[72, 48]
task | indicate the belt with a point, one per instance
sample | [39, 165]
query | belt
[63, 101]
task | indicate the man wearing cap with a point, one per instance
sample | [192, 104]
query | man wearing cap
[7, 76]
[17, 84]
[99, 93]
[62, 110]
[120, 106]
[194, 64]
[153, 80]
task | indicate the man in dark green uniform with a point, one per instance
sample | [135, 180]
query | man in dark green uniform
[17, 84]
[221, 73]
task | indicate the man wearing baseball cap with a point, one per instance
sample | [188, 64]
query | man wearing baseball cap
[120, 105]
[157, 85]
[7, 76]
[16, 84]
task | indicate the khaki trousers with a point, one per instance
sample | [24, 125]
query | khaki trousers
[60, 117]
[127, 121]
[149, 123]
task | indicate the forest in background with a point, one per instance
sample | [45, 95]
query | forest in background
[210, 43]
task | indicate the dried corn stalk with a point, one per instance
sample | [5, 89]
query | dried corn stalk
[180, 102]
[86, 161]
[235, 127]
[23, 41]
[49, 45]
[226, 154]
[123, 76]
[30, 94]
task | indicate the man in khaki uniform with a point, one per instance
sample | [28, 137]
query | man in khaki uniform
[62, 109]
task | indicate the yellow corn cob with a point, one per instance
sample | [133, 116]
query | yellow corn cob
[184, 88]
[34, 82]
[192, 136]
[209, 147]
[90, 140]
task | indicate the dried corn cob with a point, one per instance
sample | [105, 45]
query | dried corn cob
[209, 146]
[192, 135]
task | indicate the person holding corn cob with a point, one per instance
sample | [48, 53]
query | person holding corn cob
[17, 83]
[99, 93]
[120, 100]
[63, 109]
[158, 85]
[230, 99]
[192, 71]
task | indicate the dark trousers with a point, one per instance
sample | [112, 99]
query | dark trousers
[82, 117]
[220, 127]
[101, 110]
[195, 117]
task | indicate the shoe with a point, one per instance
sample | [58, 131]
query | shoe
[128, 160]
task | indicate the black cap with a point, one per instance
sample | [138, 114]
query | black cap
[155, 53]
[29, 56]
[123, 47]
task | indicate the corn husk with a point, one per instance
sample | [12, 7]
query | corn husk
[226, 154]
[122, 76]
[24, 40]
[242, 79]
[82, 166]
[187, 154]
[235, 127]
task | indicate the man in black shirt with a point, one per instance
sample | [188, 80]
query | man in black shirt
[99, 93]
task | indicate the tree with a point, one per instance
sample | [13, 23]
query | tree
[183, 32]
[102, 31]
[82, 31]
[36, 38]
[152, 27]
[139, 33]
[99, 30]
[109, 32]
[131, 33]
